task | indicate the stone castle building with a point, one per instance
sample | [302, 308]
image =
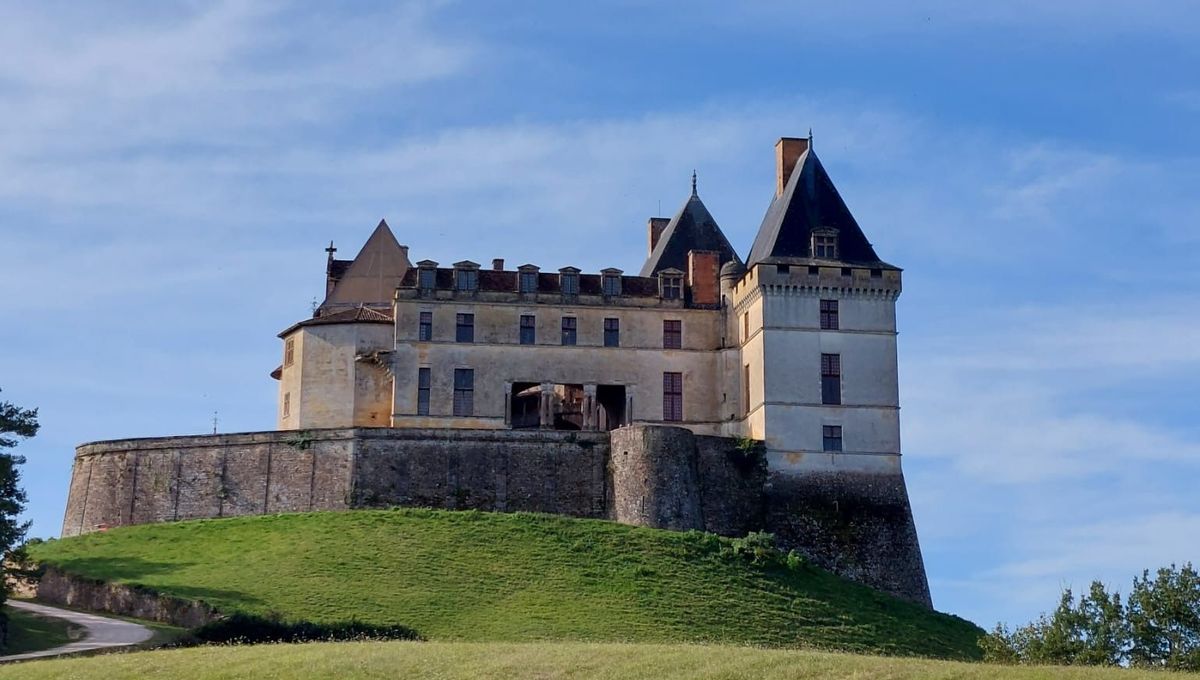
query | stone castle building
[633, 397]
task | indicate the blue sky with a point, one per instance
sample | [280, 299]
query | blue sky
[170, 175]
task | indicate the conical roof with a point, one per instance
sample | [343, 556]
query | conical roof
[692, 228]
[373, 274]
[809, 202]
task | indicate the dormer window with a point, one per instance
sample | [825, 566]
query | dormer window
[466, 276]
[568, 280]
[527, 279]
[825, 244]
[610, 282]
[670, 282]
[426, 274]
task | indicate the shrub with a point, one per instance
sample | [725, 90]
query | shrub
[252, 629]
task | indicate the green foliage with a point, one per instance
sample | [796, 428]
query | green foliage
[301, 441]
[240, 628]
[1158, 628]
[482, 576]
[757, 547]
[16, 423]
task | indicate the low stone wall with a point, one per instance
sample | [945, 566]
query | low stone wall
[857, 524]
[56, 587]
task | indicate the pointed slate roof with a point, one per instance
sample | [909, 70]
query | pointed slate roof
[692, 228]
[808, 202]
[373, 274]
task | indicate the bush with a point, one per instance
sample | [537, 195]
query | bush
[252, 629]
[758, 547]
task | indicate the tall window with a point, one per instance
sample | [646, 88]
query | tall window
[831, 378]
[611, 284]
[528, 282]
[612, 332]
[464, 391]
[672, 334]
[746, 388]
[528, 329]
[673, 397]
[570, 283]
[829, 315]
[289, 352]
[464, 328]
[832, 437]
[423, 391]
[466, 279]
[672, 286]
[568, 330]
[287, 404]
[426, 278]
[745, 325]
[425, 328]
[824, 245]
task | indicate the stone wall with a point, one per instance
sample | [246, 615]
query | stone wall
[56, 587]
[856, 524]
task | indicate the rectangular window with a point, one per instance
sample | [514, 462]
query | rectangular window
[829, 315]
[877, 273]
[832, 437]
[612, 285]
[831, 378]
[813, 270]
[464, 328]
[425, 329]
[825, 246]
[529, 282]
[570, 284]
[423, 391]
[289, 352]
[672, 334]
[612, 332]
[746, 388]
[745, 326]
[528, 329]
[464, 391]
[426, 278]
[784, 269]
[673, 397]
[466, 279]
[672, 287]
[568, 330]
[287, 404]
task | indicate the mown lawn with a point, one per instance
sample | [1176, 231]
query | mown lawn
[472, 576]
[30, 633]
[539, 661]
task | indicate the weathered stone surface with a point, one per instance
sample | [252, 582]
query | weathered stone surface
[856, 524]
[55, 587]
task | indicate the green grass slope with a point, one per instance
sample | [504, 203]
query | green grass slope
[545, 661]
[507, 577]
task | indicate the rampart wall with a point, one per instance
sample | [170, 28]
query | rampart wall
[856, 524]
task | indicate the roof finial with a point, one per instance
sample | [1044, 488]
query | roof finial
[810, 137]
[694, 183]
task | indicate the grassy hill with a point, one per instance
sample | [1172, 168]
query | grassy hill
[473, 576]
[545, 661]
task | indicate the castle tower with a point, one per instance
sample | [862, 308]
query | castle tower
[815, 318]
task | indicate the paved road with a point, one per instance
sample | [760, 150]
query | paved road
[101, 632]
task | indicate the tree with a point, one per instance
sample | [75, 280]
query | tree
[16, 423]
[1164, 619]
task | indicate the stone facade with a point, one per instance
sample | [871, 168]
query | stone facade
[655, 476]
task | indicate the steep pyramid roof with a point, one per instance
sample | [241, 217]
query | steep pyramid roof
[809, 201]
[692, 228]
[373, 274]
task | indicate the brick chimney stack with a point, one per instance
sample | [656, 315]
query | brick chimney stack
[787, 152]
[655, 227]
[498, 264]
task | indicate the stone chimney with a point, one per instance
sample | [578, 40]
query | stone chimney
[787, 152]
[703, 276]
[498, 264]
[655, 227]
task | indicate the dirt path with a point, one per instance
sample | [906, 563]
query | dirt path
[101, 632]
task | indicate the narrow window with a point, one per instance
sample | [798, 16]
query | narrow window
[427, 277]
[464, 330]
[289, 352]
[528, 329]
[672, 287]
[570, 283]
[287, 404]
[425, 328]
[829, 315]
[529, 282]
[746, 387]
[831, 378]
[672, 334]
[568, 330]
[612, 285]
[745, 326]
[832, 437]
[423, 391]
[464, 391]
[612, 332]
[466, 279]
[673, 397]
